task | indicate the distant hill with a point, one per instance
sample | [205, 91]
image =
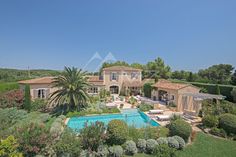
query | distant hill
[12, 75]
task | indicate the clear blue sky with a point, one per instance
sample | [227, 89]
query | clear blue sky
[51, 34]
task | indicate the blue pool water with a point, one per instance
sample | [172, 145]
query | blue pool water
[132, 117]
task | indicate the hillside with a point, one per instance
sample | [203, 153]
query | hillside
[13, 75]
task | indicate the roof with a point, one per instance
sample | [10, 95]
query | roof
[170, 85]
[95, 80]
[42, 80]
[203, 96]
[121, 68]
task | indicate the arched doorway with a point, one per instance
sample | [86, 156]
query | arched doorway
[114, 89]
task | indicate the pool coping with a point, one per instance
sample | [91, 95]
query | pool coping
[68, 119]
[153, 119]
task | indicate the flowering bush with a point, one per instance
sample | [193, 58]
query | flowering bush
[130, 148]
[12, 98]
[33, 138]
[68, 144]
[92, 136]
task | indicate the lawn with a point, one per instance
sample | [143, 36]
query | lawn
[205, 145]
[7, 86]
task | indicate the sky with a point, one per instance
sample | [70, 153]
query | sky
[51, 34]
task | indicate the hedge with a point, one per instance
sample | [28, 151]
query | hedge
[212, 89]
[228, 123]
[180, 128]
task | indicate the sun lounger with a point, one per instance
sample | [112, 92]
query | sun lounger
[163, 117]
[156, 111]
[111, 105]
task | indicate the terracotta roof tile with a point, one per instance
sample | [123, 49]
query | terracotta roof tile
[95, 80]
[169, 85]
[42, 80]
[120, 68]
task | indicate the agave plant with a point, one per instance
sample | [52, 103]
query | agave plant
[72, 85]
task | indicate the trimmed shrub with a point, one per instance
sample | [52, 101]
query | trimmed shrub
[117, 132]
[180, 128]
[141, 145]
[145, 107]
[116, 151]
[151, 145]
[130, 148]
[162, 140]
[172, 142]
[218, 132]
[102, 151]
[228, 123]
[164, 150]
[210, 121]
[181, 141]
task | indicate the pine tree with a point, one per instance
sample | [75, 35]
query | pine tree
[27, 98]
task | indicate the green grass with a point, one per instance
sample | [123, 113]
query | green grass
[140, 155]
[7, 86]
[205, 145]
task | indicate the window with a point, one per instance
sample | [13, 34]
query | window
[93, 90]
[41, 93]
[113, 76]
[134, 75]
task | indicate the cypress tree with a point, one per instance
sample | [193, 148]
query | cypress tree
[217, 89]
[27, 98]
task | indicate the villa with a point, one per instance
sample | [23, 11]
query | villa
[121, 80]
[115, 79]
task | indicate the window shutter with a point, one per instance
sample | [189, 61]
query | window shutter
[35, 94]
[47, 93]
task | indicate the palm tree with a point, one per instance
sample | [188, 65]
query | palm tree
[72, 85]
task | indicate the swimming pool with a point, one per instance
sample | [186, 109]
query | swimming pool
[132, 117]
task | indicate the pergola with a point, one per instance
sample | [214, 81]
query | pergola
[191, 103]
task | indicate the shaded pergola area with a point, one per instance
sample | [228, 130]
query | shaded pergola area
[191, 103]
